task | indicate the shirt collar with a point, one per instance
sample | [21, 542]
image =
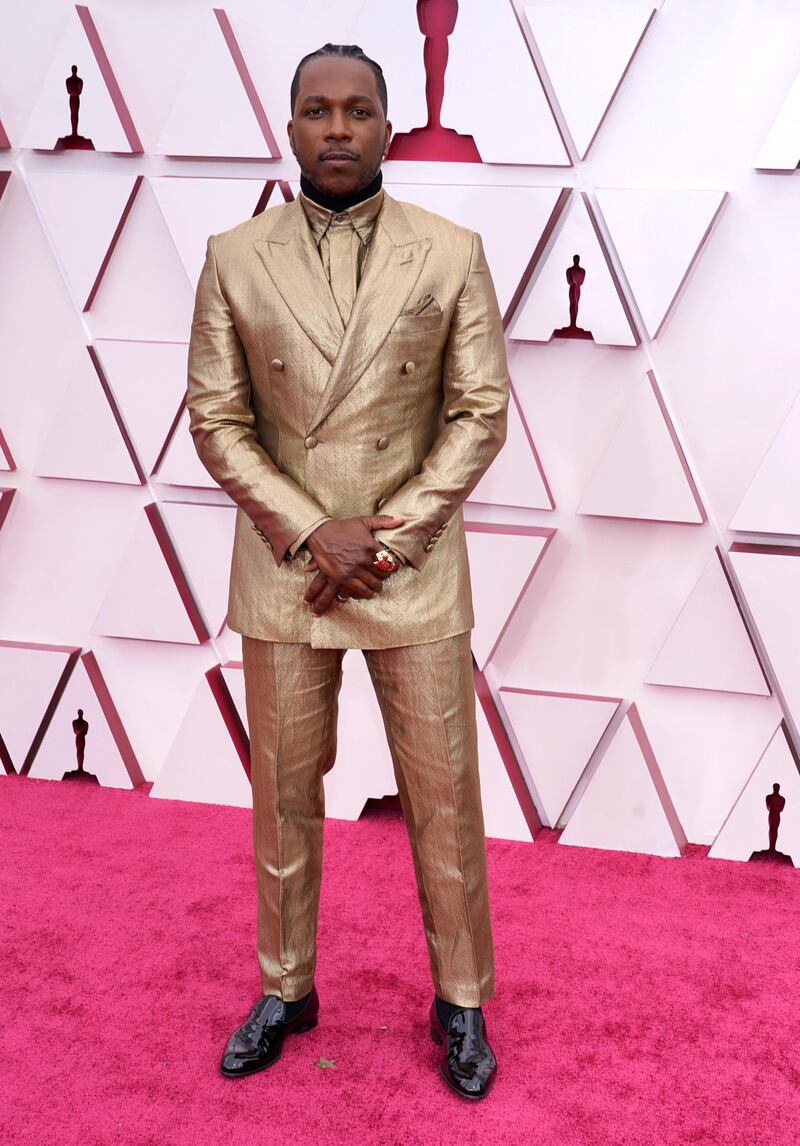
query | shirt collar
[361, 216]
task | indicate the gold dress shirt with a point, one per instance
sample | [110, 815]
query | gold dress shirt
[343, 243]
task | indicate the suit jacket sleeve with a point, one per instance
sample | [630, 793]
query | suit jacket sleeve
[222, 423]
[474, 413]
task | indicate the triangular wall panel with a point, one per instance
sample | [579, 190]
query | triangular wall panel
[487, 55]
[521, 819]
[181, 464]
[780, 151]
[363, 768]
[503, 560]
[203, 764]
[746, 830]
[7, 463]
[193, 209]
[218, 112]
[6, 498]
[103, 114]
[771, 503]
[86, 440]
[556, 734]
[83, 215]
[203, 537]
[148, 597]
[510, 221]
[643, 474]
[708, 645]
[706, 744]
[144, 293]
[503, 816]
[108, 753]
[153, 684]
[586, 52]
[658, 234]
[546, 306]
[770, 579]
[625, 805]
[32, 678]
[148, 383]
[516, 476]
[230, 644]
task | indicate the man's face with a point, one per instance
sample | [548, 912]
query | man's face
[338, 131]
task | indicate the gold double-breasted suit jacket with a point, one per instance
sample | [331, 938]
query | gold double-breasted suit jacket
[299, 418]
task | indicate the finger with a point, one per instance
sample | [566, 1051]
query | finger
[382, 521]
[315, 588]
[368, 578]
[325, 598]
[358, 588]
[312, 566]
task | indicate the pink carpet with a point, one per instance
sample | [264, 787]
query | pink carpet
[639, 1000]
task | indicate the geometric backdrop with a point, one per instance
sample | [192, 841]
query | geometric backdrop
[635, 549]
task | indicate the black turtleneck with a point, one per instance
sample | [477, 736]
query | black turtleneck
[333, 204]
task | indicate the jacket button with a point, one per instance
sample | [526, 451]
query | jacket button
[409, 367]
[276, 364]
[381, 502]
[428, 547]
[310, 442]
[382, 443]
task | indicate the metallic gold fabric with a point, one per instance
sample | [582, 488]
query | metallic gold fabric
[427, 699]
[299, 418]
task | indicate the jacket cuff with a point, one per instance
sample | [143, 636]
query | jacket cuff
[298, 541]
[386, 537]
[288, 551]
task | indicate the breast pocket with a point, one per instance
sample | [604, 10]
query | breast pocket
[420, 317]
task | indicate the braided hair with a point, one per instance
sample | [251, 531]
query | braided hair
[351, 52]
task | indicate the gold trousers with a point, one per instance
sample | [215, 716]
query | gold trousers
[427, 699]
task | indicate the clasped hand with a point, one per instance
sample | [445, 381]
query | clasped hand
[342, 553]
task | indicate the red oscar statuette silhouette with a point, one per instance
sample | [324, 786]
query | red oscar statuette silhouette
[775, 805]
[575, 276]
[80, 727]
[437, 19]
[73, 141]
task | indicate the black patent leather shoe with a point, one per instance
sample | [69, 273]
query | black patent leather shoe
[468, 1066]
[258, 1042]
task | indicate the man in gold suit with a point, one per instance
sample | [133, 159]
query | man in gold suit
[348, 387]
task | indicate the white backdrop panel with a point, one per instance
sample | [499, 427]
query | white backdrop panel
[705, 89]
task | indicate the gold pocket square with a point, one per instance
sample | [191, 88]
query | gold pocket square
[427, 304]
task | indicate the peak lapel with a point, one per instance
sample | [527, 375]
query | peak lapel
[393, 266]
[293, 263]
